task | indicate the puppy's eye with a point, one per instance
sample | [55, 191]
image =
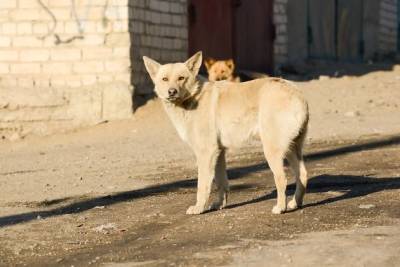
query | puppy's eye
[165, 79]
[181, 78]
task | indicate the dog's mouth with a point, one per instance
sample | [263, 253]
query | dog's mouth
[172, 99]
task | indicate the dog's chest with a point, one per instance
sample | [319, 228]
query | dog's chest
[180, 121]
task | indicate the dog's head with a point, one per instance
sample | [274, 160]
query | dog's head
[174, 82]
[219, 70]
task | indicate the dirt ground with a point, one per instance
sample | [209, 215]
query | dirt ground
[116, 194]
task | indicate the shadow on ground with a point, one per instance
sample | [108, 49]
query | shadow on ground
[348, 184]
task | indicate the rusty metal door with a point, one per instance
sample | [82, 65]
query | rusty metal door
[238, 29]
[211, 28]
[254, 34]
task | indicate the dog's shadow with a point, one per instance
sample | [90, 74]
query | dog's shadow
[347, 186]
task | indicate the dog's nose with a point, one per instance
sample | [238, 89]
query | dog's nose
[172, 91]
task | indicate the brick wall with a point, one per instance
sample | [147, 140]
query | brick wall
[158, 30]
[281, 40]
[63, 63]
[388, 26]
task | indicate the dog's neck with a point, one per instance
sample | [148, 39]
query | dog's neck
[179, 113]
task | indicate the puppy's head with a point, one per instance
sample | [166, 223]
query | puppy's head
[219, 69]
[174, 82]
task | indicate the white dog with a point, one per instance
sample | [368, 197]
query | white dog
[214, 116]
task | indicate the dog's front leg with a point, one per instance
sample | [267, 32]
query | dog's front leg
[221, 180]
[206, 172]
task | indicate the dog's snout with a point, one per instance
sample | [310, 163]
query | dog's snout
[172, 92]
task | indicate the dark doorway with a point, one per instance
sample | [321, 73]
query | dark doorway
[238, 29]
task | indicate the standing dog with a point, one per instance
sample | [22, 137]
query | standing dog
[214, 116]
[219, 70]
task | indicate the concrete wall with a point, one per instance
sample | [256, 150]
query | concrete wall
[159, 30]
[63, 66]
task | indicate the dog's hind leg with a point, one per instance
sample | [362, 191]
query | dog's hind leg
[221, 180]
[206, 162]
[275, 156]
[296, 162]
[299, 171]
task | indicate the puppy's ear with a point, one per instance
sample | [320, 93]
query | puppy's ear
[208, 62]
[194, 63]
[230, 64]
[152, 66]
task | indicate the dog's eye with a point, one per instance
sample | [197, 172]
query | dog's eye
[181, 78]
[165, 79]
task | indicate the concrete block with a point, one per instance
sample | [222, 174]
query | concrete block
[4, 68]
[87, 67]
[34, 55]
[117, 66]
[117, 39]
[100, 53]
[8, 3]
[39, 28]
[57, 68]
[9, 28]
[27, 41]
[25, 14]
[5, 41]
[117, 101]
[8, 55]
[28, 4]
[85, 104]
[25, 68]
[66, 54]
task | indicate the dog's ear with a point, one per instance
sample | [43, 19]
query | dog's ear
[208, 62]
[152, 66]
[194, 63]
[230, 64]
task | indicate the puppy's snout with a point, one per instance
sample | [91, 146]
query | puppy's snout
[172, 92]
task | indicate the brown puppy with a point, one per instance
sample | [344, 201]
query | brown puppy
[219, 70]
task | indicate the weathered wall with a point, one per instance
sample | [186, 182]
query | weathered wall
[388, 26]
[281, 38]
[158, 30]
[63, 65]
[297, 30]
[371, 29]
[379, 29]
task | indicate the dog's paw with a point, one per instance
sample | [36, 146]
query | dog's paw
[195, 210]
[218, 205]
[292, 205]
[277, 210]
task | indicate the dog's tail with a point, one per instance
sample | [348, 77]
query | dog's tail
[298, 141]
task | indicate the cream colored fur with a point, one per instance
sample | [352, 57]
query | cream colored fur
[214, 116]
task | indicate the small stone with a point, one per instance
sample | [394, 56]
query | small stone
[366, 206]
[352, 113]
